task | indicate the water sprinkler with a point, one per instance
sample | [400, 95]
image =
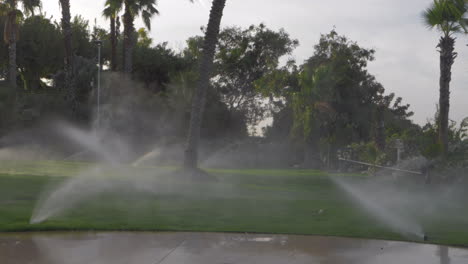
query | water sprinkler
[378, 166]
[425, 238]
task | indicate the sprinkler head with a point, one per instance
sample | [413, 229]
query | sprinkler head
[425, 238]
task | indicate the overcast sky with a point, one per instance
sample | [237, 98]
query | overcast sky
[406, 57]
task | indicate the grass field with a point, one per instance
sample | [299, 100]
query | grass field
[260, 201]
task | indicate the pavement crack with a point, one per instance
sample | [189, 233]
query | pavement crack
[170, 252]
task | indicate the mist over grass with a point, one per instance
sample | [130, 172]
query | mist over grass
[259, 201]
[117, 176]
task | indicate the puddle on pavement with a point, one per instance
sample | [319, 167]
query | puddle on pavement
[176, 248]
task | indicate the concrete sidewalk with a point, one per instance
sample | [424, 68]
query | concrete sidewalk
[216, 248]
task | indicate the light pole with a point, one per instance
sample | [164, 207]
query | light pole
[400, 147]
[98, 118]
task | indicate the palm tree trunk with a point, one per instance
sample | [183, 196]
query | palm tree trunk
[12, 30]
[69, 69]
[117, 28]
[12, 61]
[117, 37]
[447, 58]
[67, 33]
[129, 30]
[199, 97]
[113, 44]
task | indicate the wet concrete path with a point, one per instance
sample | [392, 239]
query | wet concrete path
[180, 248]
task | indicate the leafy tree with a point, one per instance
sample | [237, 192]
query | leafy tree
[40, 52]
[84, 73]
[101, 34]
[243, 57]
[336, 93]
[429, 142]
[81, 38]
[385, 113]
[9, 9]
[218, 121]
[383, 103]
[154, 65]
[447, 16]
[199, 97]
[143, 38]
[331, 98]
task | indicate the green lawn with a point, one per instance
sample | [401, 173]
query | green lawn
[261, 201]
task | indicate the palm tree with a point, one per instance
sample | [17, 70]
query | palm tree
[9, 8]
[111, 11]
[447, 16]
[133, 8]
[199, 97]
[69, 69]
[67, 33]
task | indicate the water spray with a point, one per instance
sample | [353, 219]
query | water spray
[392, 219]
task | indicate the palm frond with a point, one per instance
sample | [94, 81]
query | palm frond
[448, 16]
[146, 16]
[112, 8]
[147, 9]
[107, 12]
[30, 6]
[152, 10]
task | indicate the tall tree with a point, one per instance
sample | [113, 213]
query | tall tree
[69, 69]
[41, 51]
[332, 98]
[132, 9]
[245, 56]
[9, 8]
[111, 11]
[382, 104]
[242, 58]
[339, 91]
[205, 71]
[447, 16]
